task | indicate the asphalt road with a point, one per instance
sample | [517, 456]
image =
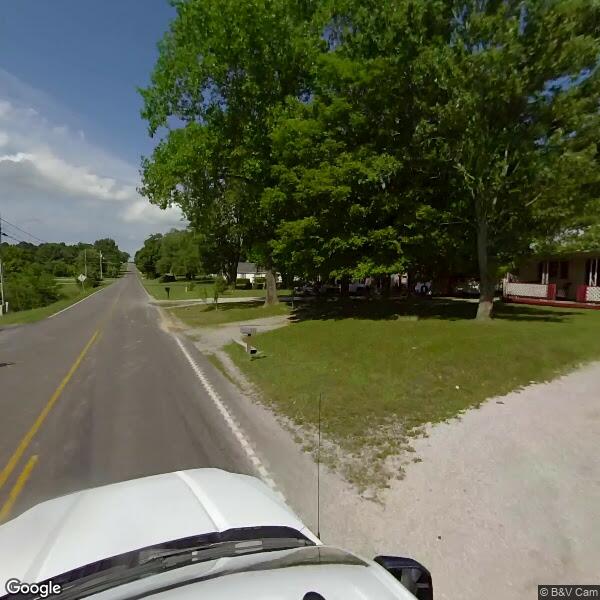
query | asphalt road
[101, 393]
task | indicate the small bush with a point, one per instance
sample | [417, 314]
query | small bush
[259, 283]
[219, 287]
[167, 278]
[243, 284]
[191, 286]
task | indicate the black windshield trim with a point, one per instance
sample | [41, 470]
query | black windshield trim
[132, 559]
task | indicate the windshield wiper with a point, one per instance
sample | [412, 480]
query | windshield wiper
[205, 552]
[152, 562]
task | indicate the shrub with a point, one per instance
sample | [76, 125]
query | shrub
[243, 284]
[219, 287]
[167, 278]
[30, 288]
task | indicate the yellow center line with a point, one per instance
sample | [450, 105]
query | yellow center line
[17, 488]
[24, 443]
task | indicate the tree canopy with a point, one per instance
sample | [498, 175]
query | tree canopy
[346, 138]
[30, 270]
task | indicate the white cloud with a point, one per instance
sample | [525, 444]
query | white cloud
[60, 129]
[5, 108]
[51, 172]
[49, 168]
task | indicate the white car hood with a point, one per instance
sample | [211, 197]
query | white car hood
[81, 528]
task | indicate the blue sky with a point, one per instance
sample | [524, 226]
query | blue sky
[70, 132]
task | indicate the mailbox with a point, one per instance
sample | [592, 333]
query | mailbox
[248, 332]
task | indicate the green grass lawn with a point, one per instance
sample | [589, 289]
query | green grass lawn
[200, 315]
[70, 292]
[387, 367]
[201, 290]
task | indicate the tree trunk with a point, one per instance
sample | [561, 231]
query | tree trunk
[345, 286]
[386, 286]
[231, 272]
[410, 283]
[486, 278]
[271, 287]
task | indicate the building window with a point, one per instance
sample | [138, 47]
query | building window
[564, 269]
[553, 269]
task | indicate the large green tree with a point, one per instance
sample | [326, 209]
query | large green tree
[439, 130]
[511, 96]
[223, 68]
[147, 257]
[111, 256]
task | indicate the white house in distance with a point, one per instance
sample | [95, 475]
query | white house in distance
[248, 270]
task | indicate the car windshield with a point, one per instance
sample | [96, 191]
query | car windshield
[331, 266]
[138, 564]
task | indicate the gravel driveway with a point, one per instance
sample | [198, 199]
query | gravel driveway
[504, 499]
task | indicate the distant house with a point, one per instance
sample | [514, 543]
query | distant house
[555, 279]
[248, 270]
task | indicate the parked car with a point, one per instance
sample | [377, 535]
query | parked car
[202, 533]
[305, 289]
[423, 288]
[466, 287]
[316, 289]
[358, 288]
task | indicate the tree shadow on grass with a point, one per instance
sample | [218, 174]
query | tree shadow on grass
[417, 309]
[520, 312]
[225, 306]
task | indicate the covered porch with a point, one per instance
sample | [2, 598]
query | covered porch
[560, 280]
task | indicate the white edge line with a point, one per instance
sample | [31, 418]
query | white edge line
[78, 302]
[237, 432]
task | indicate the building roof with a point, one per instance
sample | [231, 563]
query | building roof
[566, 254]
[247, 268]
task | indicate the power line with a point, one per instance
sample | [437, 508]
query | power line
[13, 238]
[25, 232]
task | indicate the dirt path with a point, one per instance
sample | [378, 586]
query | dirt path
[212, 339]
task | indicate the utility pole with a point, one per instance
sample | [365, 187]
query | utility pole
[100, 265]
[85, 262]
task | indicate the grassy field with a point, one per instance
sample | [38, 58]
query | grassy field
[201, 290]
[201, 316]
[386, 369]
[70, 292]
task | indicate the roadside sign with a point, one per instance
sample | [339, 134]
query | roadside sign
[81, 278]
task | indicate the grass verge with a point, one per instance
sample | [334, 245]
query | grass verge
[70, 292]
[385, 369]
[179, 290]
[207, 315]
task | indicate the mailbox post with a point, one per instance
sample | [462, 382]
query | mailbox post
[247, 333]
[168, 290]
